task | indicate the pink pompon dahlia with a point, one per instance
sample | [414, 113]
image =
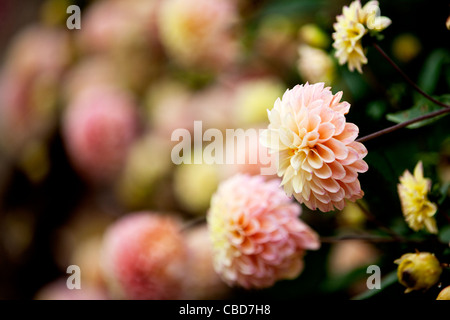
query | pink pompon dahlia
[318, 156]
[99, 126]
[257, 236]
[143, 257]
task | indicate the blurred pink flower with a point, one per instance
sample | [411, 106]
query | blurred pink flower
[58, 290]
[256, 233]
[29, 81]
[202, 281]
[144, 257]
[99, 126]
[116, 24]
[319, 158]
[172, 106]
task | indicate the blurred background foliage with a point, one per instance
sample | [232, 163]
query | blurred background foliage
[50, 208]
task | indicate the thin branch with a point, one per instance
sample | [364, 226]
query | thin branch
[404, 124]
[407, 79]
[369, 238]
[374, 219]
[192, 223]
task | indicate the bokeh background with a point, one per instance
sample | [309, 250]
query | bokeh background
[86, 118]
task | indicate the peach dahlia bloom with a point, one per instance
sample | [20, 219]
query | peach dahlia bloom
[318, 156]
[256, 235]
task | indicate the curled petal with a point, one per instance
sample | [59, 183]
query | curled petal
[349, 134]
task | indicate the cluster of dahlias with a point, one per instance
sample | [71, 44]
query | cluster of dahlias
[113, 93]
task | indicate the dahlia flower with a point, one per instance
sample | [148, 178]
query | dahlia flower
[99, 126]
[196, 33]
[256, 235]
[315, 65]
[418, 271]
[194, 184]
[139, 183]
[144, 256]
[253, 97]
[118, 24]
[58, 290]
[444, 294]
[417, 209]
[202, 281]
[318, 156]
[351, 26]
[34, 64]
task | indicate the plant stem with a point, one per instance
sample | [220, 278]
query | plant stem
[373, 219]
[407, 79]
[369, 238]
[404, 124]
[192, 223]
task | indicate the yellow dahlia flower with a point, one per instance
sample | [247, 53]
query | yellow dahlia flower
[444, 294]
[416, 207]
[355, 22]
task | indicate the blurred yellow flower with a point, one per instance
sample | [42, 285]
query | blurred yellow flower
[254, 97]
[416, 207]
[194, 184]
[418, 271]
[311, 35]
[198, 33]
[354, 22]
[315, 65]
[406, 47]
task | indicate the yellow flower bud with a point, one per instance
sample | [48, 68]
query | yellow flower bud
[444, 294]
[418, 271]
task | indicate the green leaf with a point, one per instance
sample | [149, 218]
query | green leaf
[432, 68]
[388, 280]
[444, 234]
[422, 107]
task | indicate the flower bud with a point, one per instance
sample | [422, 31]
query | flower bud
[418, 271]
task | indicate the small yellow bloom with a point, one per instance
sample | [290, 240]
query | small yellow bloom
[418, 271]
[418, 210]
[444, 294]
[355, 22]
